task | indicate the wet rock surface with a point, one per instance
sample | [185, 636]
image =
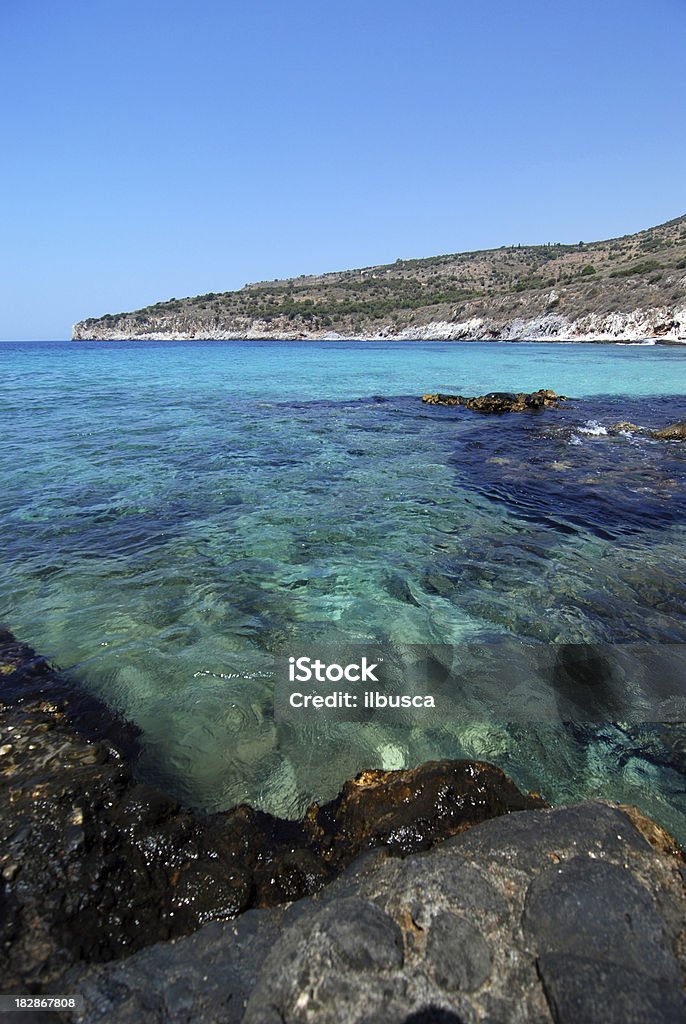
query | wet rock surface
[501, 401]
[456, 933]
[624, 427]
[113, 892]
[674, 432]
[408, 810]
[96, 866]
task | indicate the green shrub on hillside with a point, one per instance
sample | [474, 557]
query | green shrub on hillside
[646, 267]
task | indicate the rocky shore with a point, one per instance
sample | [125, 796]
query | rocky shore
[97, 865]
[662, 325]
[571, 915]
[436, 894]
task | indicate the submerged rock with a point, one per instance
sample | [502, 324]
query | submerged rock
[674, 432]
[501, 401]
[96, 865]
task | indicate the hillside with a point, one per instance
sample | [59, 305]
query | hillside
[629, 288]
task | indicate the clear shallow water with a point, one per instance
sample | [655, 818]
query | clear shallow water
[173, 513]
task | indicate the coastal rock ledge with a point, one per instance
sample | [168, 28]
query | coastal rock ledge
[96, 865]
[451, 896]
[566, 915]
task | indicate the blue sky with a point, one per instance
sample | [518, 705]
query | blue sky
[159, 148]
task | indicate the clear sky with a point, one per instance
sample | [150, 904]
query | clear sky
[158, 148]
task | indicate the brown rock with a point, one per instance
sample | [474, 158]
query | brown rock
[501, 401]
[413, 809]
[623, 427]
[674, 432]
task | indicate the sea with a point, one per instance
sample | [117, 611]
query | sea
[174, 515]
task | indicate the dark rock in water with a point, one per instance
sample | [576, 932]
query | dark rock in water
[398, 588]
[26, 679]
[674, 432]
[501, 401]
[97, 866]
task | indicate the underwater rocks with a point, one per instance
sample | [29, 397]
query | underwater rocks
[501, 401]
[96, 865]
[575, 914]
[572, 915]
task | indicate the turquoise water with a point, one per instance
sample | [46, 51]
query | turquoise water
[174, 513]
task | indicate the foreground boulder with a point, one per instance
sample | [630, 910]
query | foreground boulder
[501, 401]
[96, 865]
[570, 915]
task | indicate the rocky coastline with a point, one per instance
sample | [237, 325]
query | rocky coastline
[441, 893]
[97, 864]
[662, 325]
[628, 289]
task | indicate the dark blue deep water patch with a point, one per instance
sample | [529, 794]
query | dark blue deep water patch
[576, 471]
[173, 514]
